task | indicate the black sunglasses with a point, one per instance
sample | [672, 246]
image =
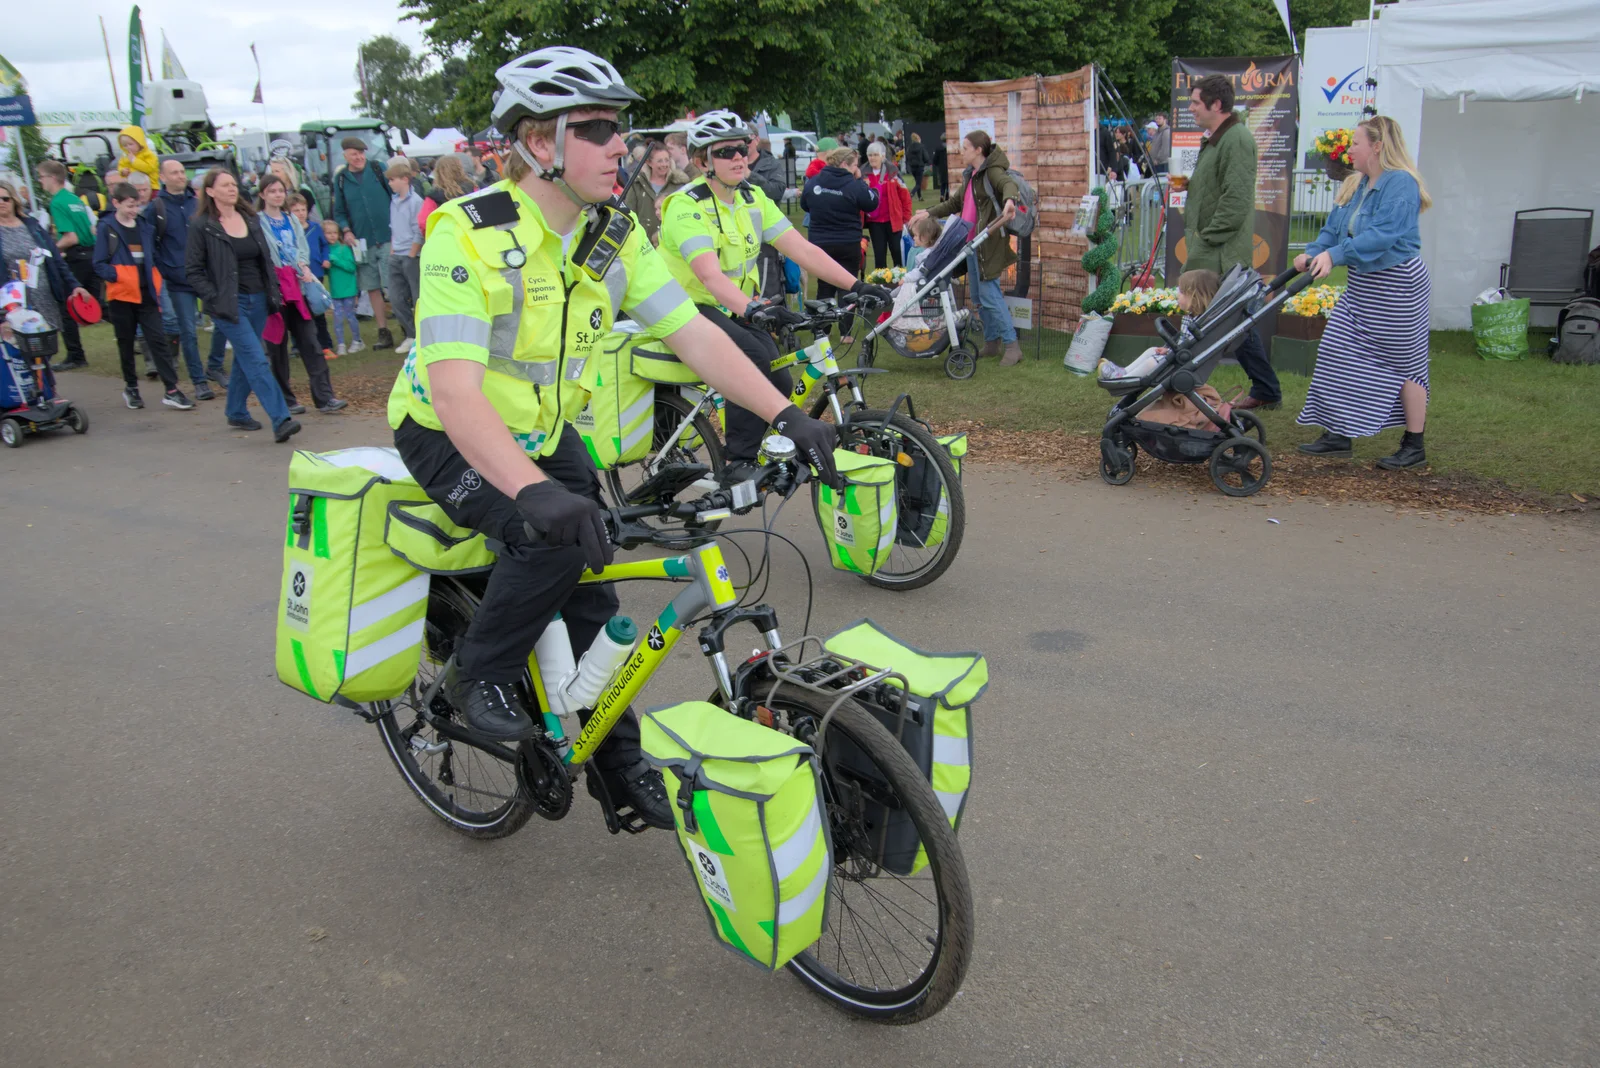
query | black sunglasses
[731, 152]
[5, 200]
[596, 131]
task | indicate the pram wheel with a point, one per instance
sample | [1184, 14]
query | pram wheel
[11, 433]
[1240, 466]
[1116, 462]
[961, 364]
[1248, 426]
[78, 420]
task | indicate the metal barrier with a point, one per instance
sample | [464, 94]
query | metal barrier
[1311, 199]
[1137, 205]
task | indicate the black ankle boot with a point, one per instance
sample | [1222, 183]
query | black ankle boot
[1410, 454]
[1329, 444]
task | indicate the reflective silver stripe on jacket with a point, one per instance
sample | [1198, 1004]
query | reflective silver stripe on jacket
[503, 332]
[775, 229]
[738, 273]
[540, 373]
[690, 246]
[617, 287]
[660, 304]
[755, 219]
[444, 329]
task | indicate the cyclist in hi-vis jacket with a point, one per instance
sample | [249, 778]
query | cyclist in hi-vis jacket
[711, 232]
[520, 281]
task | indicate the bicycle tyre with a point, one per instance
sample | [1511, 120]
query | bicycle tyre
[671, 409]
[938, 982]
[928, 570]
[450, 609]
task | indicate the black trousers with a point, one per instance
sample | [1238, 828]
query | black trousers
[848, 257]
[323, 337]
[80, 264]
[746, 428]
[1252, 356]
[916, 180]
[884, 237]
[531, 581]
[299, 327]
[126, 319]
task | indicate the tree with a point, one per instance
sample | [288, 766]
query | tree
[792, 55]
[402, 89]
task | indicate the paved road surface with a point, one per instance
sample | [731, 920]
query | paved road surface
[1317, 792]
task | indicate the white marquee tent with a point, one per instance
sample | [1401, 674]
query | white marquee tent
[1500, 102]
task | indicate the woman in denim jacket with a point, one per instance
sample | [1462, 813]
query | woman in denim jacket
[1372, 363]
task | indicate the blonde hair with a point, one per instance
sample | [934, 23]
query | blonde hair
[449, 177]
[1201, 289]
[1392, 156]
[285, 169]
[839, 157]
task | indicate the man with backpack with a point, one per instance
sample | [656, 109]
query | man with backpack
[169, 211]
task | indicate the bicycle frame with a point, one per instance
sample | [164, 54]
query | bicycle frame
[709, 589]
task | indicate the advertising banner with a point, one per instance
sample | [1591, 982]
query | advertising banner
[1266, 88]
[1332, 87]
[135, 67]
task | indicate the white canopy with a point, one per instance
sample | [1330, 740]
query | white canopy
[1500, 104]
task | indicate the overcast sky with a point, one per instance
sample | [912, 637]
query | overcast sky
[307, 50]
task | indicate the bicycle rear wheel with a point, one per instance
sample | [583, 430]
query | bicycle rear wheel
[894, 948]
[913, 562]
[699, 443]
[472, 790]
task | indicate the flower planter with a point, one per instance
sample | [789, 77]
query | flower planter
[1134, 325]
[1336, 170]
[1301, 327]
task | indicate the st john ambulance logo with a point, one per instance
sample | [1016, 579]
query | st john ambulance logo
[655, 639]
[458, 275]
[595, 319]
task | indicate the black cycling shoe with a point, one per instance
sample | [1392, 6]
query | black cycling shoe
[492, 709]
[634, 797]
[737, 471]
[1329, 444]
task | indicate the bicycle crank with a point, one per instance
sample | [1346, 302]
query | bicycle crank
[545, 778]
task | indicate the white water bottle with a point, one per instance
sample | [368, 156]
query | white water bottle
[556, 665]
[610, 649]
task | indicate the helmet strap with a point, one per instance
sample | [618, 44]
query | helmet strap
[555, 173]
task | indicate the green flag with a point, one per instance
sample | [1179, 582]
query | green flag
[135, 82]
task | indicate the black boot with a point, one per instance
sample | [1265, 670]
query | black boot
[493, 709]
[635, 786]
[1330, 444]
[1409, 454]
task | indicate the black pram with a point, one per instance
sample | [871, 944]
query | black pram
[1236, 449]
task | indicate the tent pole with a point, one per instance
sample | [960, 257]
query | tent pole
[1369, 105]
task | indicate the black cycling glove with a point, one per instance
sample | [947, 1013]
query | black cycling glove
[770, 316]
[877, 294]
[562, 517]
[814, 439]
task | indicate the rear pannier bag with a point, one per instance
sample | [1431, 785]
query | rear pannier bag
[860, 523]
[938, 727]
[751, 824]
[350, 612]
[420, 533]
[616, 425]
[654, 361]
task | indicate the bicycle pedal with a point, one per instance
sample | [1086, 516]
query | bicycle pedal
[617, 819]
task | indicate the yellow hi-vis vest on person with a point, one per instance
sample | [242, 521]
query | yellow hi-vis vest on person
[498, 289]
[694, 222]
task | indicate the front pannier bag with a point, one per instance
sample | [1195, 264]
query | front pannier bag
[859, 524]
[751, 824]
[350, 612]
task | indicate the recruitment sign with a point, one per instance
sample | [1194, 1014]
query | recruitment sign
[1267, 88]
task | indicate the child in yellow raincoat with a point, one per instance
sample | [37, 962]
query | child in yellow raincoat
[136, 155]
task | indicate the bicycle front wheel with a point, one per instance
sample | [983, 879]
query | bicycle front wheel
[932, 508]
[895, 947]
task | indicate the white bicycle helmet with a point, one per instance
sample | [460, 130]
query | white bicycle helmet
[714, 126]
[554, 80]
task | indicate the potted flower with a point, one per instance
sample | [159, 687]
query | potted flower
[1134, 311]
[886, 276]
[1306, 313]
[1334, 148]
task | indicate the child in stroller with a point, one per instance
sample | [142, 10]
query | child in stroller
[923, 321]
[1148, 415]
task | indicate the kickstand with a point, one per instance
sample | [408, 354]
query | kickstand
[617, 819]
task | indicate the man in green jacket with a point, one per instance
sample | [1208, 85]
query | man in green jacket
[361, 208]
[1219, 218]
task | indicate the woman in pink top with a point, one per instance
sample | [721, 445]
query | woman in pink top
[879, 173]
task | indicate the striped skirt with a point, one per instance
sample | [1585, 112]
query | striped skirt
[1375, 342]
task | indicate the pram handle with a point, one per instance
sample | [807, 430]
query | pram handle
[1282, 279]
[1168, 332]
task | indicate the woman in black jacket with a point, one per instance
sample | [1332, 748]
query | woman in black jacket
[836, 199]
[229, 264]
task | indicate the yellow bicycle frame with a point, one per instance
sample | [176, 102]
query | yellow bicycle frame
[709, 589]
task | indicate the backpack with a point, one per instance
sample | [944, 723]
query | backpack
[1577, 337]
[1027, 217]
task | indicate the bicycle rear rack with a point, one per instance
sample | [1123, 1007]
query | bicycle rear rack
[834, 675]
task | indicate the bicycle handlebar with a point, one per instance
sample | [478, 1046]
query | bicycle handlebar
[780, 477]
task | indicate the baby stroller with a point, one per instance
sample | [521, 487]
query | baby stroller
[1237, 449]
[924, 321]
